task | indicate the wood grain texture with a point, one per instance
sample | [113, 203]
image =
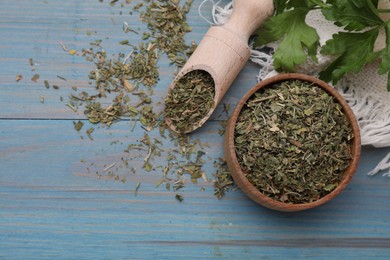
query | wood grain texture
[51, 206]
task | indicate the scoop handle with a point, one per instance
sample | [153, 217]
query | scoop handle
[248, 15]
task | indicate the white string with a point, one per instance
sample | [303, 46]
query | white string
[220, 14]
[382, 165]
[200, 10]
[265, 61]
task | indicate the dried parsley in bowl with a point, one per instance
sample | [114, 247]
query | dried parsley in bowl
[293, 141]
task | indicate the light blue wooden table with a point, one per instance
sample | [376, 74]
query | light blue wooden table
[51, 207]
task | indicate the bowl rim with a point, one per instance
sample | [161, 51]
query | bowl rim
[237, 173]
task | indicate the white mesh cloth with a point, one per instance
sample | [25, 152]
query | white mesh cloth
[365, 92]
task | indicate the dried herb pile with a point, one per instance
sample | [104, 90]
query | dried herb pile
[190, 100]
[292, 141]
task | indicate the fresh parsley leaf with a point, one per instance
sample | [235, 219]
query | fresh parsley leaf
[353, 15]
[297, 4]
[304, 3]
[284, 5]
[384, 66]
[317, 3]
[280, 6]
[296, 38]
[353, 47]
[354, 50]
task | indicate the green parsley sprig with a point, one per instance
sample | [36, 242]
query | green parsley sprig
[352, 47]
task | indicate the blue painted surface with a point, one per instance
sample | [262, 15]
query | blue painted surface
[51, 206]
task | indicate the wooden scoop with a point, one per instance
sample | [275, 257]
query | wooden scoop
[224, 49]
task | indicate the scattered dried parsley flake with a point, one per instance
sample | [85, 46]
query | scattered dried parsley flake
[78, 125]
[18, 77]
[35, 77]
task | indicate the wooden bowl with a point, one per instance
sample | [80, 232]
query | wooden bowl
[238, 174]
